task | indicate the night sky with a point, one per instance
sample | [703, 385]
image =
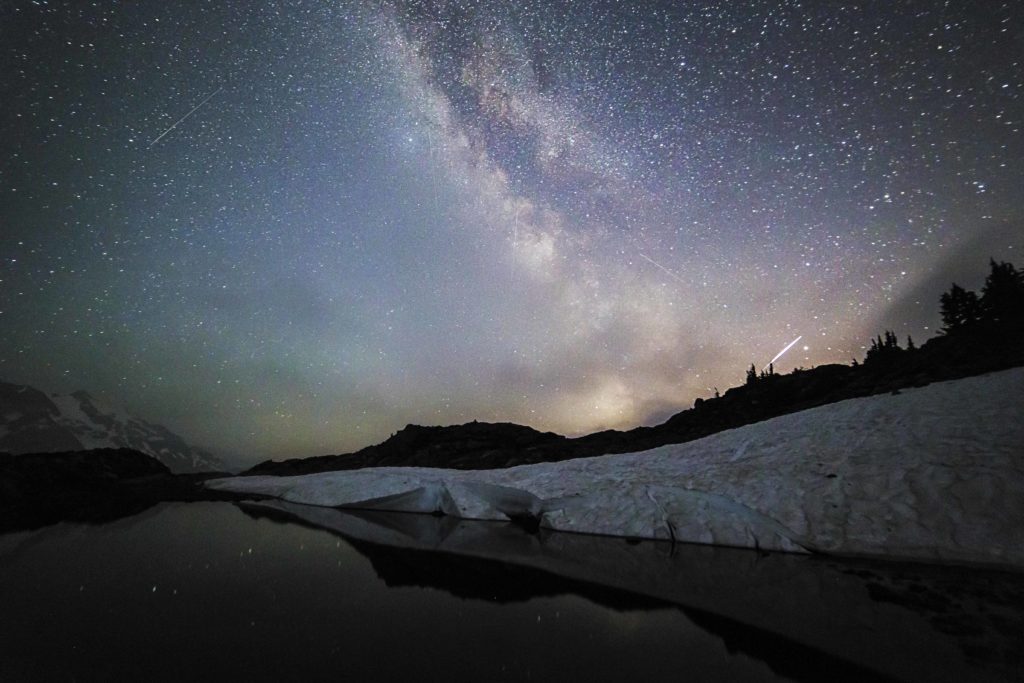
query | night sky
[291, 228]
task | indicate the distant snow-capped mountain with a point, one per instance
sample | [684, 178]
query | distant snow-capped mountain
[34, 422]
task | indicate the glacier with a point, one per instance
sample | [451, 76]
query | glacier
[934, 473]
[32, 421]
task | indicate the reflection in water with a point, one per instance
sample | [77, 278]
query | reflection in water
[470, 577]
[802, 615]
[200, 591]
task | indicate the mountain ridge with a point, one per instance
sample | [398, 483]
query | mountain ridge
[32, 421]
[481, 445]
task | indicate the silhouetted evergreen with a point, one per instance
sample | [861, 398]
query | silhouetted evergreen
[751, 374]
[754, 376]
[1000, 306]
[883, 350]
[960, 308]
[981, 335]
[1002, 297]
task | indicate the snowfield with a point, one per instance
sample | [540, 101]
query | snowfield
[934, 473]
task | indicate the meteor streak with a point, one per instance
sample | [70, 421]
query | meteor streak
[193, 111]
[779, 354]
[666, 270]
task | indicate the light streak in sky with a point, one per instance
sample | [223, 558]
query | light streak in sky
[779, 354]
[663, 268]
[192, 111]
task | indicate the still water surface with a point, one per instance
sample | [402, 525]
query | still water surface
[208, 591]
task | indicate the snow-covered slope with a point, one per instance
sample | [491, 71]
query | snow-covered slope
[32, 422]
[935, 473]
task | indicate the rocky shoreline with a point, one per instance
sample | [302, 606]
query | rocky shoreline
[94, 486]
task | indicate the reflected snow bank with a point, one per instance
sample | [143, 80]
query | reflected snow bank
[803, 615]
[934, 473]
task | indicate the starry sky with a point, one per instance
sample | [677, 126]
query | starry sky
[290, 228]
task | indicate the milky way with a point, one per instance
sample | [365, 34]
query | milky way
[568, 215]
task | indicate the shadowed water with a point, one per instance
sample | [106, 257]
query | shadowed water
[274, 591]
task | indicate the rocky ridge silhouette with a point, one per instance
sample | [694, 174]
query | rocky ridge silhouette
[479, 445]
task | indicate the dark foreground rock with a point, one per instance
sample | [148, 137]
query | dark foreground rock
[95, 486]
[479, 445]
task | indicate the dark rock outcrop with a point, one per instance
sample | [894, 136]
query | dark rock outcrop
[38, 489]
[469, 446]
[30, 422]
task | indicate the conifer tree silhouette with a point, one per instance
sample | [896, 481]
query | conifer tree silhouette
[960, 308]
[1002, 297]
[883, 350]
[751, 374]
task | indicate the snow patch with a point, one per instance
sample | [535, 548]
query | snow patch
[935, 473]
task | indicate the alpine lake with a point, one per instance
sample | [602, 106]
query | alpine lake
[270, 591]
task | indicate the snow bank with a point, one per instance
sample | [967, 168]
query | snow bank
[935, 473]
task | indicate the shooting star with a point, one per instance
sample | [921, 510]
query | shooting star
[193, 111]
[663, 268]
[779, 354]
